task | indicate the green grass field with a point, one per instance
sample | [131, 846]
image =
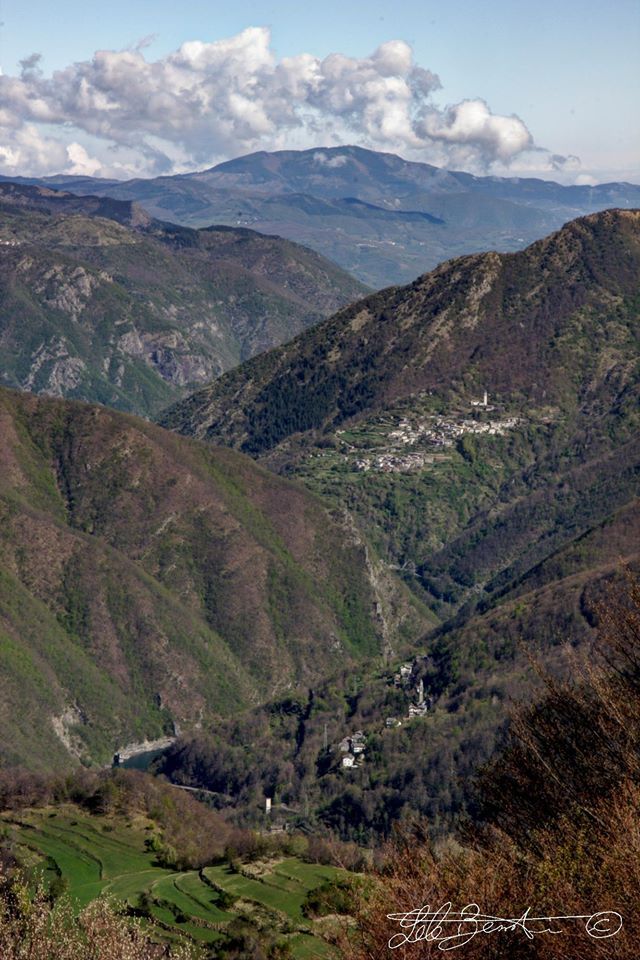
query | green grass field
[99, 855]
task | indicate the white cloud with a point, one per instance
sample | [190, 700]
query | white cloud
[585, 180]
[80, 162]
[25, 150]
[210, 100]
[471, 123]
[326, 160]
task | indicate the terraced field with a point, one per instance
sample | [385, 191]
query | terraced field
[95, 855]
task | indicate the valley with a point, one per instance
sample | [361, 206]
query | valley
[306, 601]
[129, 560]
[319, 481]
[382, 218]
[99, 302]
[499, 487]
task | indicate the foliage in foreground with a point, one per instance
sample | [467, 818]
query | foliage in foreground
[35, 928]
[561, 831]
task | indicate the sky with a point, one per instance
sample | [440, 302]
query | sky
[145, 88]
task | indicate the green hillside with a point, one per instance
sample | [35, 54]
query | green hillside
[92, 855]
[148, 582]
[511, 324]
[382, 407]
[507, 516]
[472, 670]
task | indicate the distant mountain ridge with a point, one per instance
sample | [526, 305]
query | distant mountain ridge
[18, 196]
[100, 302]
[307, 196]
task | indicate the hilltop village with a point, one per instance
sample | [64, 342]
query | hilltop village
[416, 441]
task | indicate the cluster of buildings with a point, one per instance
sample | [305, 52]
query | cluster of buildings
[444, 431]
[494, 427]
[405, 677]
[394, 463]
[353, 749]
[434, 432]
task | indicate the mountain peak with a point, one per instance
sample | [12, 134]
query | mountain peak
[509, 320]
[418, 215]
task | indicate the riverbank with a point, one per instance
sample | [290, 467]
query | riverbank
[126, 755]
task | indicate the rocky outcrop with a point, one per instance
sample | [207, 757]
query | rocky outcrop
[100, 302]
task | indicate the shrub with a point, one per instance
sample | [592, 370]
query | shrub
[34, 928]
[559, 828]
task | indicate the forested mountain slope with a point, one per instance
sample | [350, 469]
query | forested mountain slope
[148, 583]
[101, 303]
[383, 408]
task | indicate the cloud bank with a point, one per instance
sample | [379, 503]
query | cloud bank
[120, 114]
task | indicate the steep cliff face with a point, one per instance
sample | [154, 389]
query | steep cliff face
[99, 302]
